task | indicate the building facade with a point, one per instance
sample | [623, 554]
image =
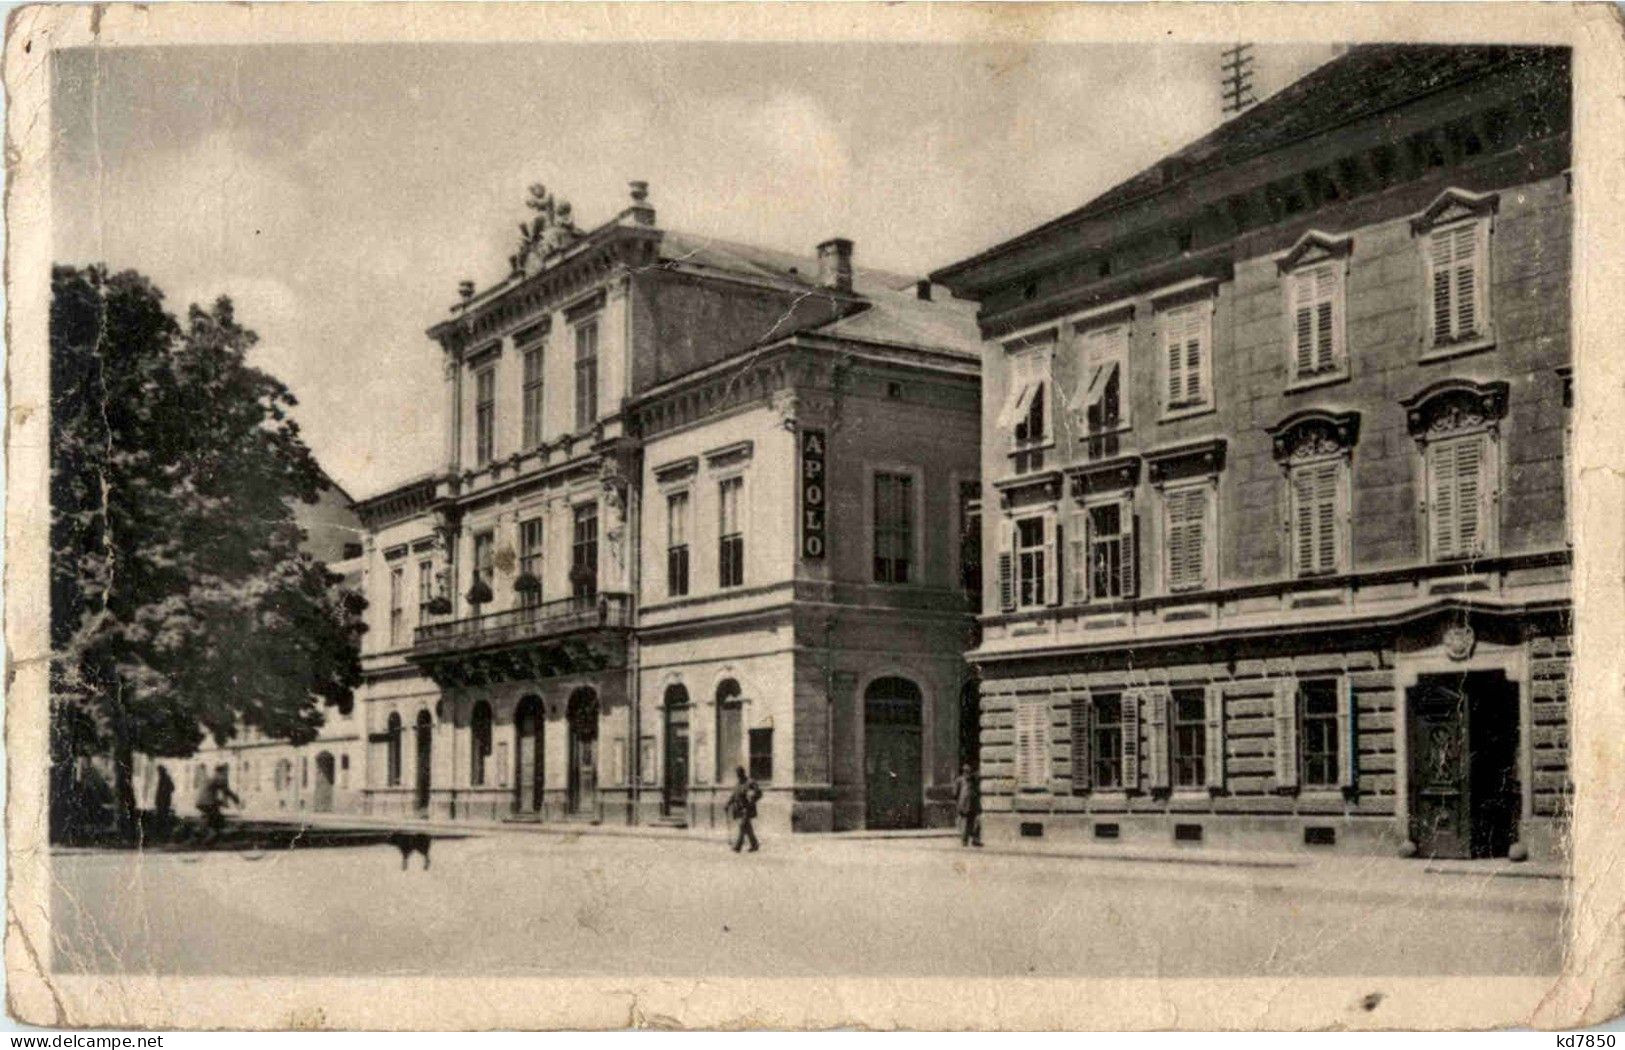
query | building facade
[601, 607]
[1274, 454]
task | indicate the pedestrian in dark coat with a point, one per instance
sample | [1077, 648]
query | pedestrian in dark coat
[968, 796]
[742, 807]
[163, 801]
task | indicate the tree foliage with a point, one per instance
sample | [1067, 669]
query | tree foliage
[181, 601]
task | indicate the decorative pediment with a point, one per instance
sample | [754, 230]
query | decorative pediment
[1183, 461]
[1454, 204]
[1312, 433]
[1454, 405]
[677, 470]
[587, 304]
[1107, 475]
[728, 455]
[533, 333]
[1029, 490]
[1314, 246]
[489, 352]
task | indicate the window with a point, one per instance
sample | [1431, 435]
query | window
[893, 527]
[761, 755]
[1097, 742]
[425, 589]
[970, 541]
[485, 408]
[1032, 743]
[1186, 536]
[1317, 706]
[533, 397]
[730, 716]
[584, 552]
[530, 561]
[1023, 413]
[1188, 738]
[1102, 397]
[1316, 495]
[1030, 562]
[731, 540]
[677, 544]
[1458, 496]
[392, 743]
[1315, 309]
[484, 566]
[479, 744]
[1456, 265]
[1102, 552]
[1186, 335]
[397, 615]
[586, 374]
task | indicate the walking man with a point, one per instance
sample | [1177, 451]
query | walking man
[742, 807]
[211, 799]
[164, 802]
[968, 793]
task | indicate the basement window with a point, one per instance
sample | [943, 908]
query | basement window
[1187, 833]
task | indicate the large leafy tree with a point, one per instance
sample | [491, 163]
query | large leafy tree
[181, 601]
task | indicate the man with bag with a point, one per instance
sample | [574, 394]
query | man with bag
[742, 807]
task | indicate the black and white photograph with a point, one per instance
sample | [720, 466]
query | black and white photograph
[989, 501]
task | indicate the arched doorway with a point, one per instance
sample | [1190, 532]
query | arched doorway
[676, 773]
[892, 760]
[730, 729]
[582, 716]
[425, 730]
[528, 777]
[325, 775]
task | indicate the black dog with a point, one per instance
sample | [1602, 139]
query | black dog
[409, 842]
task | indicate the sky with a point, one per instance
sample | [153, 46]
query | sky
[339, 193]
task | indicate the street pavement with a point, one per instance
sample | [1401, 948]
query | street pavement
[555, 904]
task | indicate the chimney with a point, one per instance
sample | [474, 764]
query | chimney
[835, 264]
[922, 290]
[641, 210]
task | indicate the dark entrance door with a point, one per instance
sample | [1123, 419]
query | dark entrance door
[1465, 796]
[676, 772]
[324, 782]
[892, 765]
[528, 768]
[425, 731]
[582, 714]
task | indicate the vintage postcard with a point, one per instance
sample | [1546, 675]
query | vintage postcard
[730, 516]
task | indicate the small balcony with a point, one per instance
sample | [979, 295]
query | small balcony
[566, 636]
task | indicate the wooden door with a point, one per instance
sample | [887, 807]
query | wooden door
[893, 775]
[676, 772]
[1440, 796]
[528, 757]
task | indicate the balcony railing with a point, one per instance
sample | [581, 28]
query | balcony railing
[527, 623]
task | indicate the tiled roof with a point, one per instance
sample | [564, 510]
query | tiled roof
[943, 324]
[749, 260]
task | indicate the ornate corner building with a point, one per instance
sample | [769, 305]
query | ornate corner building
[1274, 444]
[688, 524]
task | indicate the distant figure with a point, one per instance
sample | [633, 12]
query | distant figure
[409, 842]
[742, 807]
[163, 802]
[968, 794]
[211, 799]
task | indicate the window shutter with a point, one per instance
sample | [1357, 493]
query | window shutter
[1193, 356]
[1440, 256]
[1187, 537]
[1303, 525]
[1052, 560]
[1159, 738]
[1326, 517]
[1007, 567]
[1078, 556]
[1083, 769]
[1171, 341]
[1347, 744]
[1303, 318]
[1032, 742]
[1213, 737]
[1469, 496]
[1286, 734]
[1131, 740]
[1466, 272]
[1131, 550]
[1327, 328]
[1442, 499]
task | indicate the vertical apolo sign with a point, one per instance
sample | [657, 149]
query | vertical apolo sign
[813, 493]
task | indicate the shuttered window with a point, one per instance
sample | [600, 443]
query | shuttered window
[1455, 283]
[1082, 766]
[1315, 516]
[1104, 380]
[1315, 302]
[1186, 333]
[533, 397]
[485, 410]
[1186, 536]
[1459, 496]
[1188, 738]
[1102, 552]
[1286, 735]
[1033, 582]
[1032, 743]
[1315, 734]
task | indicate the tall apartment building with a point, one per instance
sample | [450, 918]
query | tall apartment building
[1274, 451]
[682, 528]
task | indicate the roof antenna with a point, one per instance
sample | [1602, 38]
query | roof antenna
[1237, 85]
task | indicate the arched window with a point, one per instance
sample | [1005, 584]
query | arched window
[730, 720]
[393, 746]
[479, 743]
